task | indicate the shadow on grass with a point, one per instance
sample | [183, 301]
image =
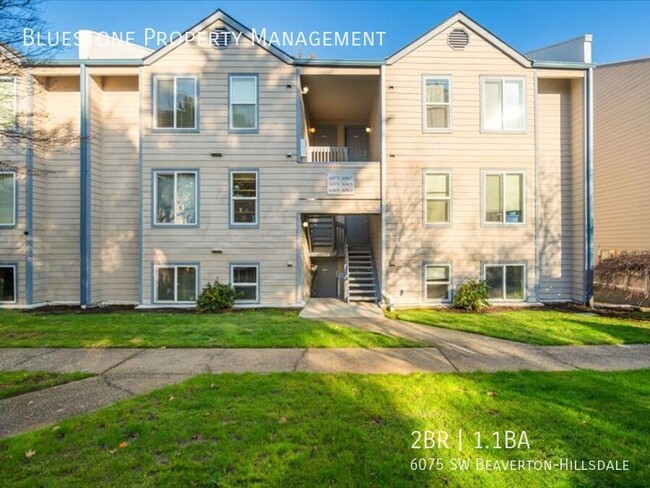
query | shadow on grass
[344, 430]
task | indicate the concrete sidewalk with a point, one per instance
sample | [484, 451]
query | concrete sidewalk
[123, 373]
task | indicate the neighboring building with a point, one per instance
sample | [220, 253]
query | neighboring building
[394, 180]
[622, 157]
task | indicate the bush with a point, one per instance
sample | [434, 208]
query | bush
[216, 297]
[472, 296]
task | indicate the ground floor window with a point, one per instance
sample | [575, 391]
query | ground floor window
[505, 281]
[7, 284]
[175, 283]
[437, 279]
[244, 278]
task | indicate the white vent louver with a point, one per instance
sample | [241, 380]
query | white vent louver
[458, 39]
[220, 38]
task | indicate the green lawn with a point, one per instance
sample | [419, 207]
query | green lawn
[19, 382]
[344, 430]
[543, 327]
[268, 328]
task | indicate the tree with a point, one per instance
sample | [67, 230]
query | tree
[22, 129]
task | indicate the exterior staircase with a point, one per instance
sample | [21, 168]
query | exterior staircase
[321, 233]
[363, 277]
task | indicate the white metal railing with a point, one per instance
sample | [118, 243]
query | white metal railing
[328, 154]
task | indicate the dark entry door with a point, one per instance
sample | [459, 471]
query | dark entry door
[324, 284]
[325, 135]
[356, 139]
[356, 230]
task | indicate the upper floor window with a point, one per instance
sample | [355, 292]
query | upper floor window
[437, 198]
[503, 104]
[7, 198]
[175, 102]
[243, 193]
[175, 197]
[8, 100]
[504, 198]
[243, 102]
[437, 103]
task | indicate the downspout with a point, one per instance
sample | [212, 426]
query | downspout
[84, 197]
[382, 183]
[140, 201]
[29, 196]
[589, 190]
[537, 189]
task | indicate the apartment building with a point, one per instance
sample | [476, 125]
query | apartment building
[391, 181]
[621, 157]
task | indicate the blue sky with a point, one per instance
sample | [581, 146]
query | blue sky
[523, 25]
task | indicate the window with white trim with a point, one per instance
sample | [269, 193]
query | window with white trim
[175, 197]
[7, 198]
[175, 283]
[503, 104]
[505, 281]
[437, 282]
[7, 284]
[504, 197]
[436, 103]
[8, 102]
[244, 278]
[243, 102]
[243, 195]
[437, 197]
[175, 102]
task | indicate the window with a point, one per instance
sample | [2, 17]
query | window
[175, 283]
[175, 197]
[244, 278]
[437, 198]
[437, 282]
[504, 198]
[7, 284]
[505, 282]
[437, 103]
[503, 104]
[8, 100]
[7, 199]
[243, 103]
[243, 193]
[175, 102]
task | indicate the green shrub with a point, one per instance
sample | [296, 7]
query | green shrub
[472, 296]
[216, 297]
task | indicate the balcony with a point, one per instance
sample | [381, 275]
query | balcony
[327, 154]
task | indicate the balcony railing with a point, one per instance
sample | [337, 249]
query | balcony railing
[328, 154]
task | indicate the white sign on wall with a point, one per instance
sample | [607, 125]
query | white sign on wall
[340, 184]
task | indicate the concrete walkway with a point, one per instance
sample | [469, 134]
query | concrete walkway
[123, 373]
[333, 308]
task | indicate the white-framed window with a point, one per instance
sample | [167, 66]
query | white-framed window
[7, 198]
[503, 104]
[175, 197]
[437, 197]
[243, 102]
[437, 282]
[245, 279]
[505, 197]
[7, 283]
[436, 103]
[243, 198]
[8, 102]
[506, 281]
[175, 102]
[175, 283]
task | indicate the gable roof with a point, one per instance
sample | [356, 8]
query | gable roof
[470, 24]
[230, 22]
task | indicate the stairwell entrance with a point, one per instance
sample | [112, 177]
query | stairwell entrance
[341, 260]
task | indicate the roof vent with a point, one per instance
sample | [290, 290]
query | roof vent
[458, 39]
[221, 38]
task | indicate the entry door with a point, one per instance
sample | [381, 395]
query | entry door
[324, 284]
[356, 230]
[325, 135]
[356, 139]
